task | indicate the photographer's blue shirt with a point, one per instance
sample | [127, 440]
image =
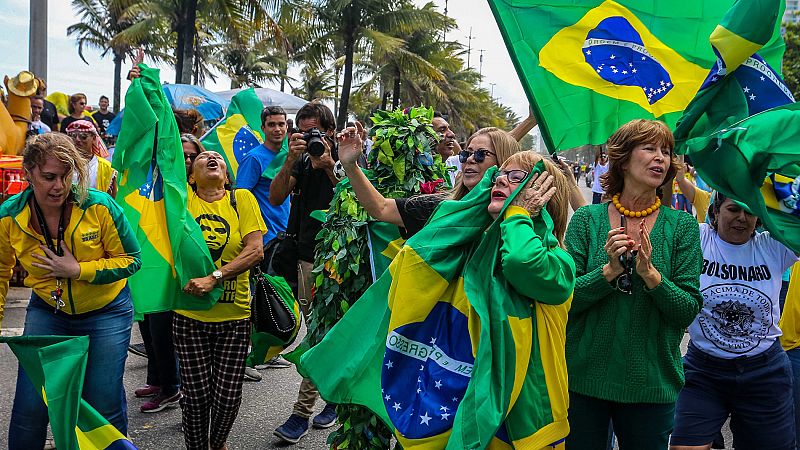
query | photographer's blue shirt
[249, 177]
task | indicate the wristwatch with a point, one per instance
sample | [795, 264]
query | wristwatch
[217, 274]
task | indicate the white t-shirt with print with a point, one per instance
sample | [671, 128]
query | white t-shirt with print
[599, 170]
[740, 286]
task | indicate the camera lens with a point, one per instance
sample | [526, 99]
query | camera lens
[315, 147]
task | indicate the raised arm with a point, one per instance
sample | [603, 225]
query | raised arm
[524, 127]
[284, 181]
[687, 188]
[377, 206]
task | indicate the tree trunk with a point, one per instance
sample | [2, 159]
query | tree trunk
[179, 45]
[117, 80]
[283, 71]
[396, 91]
[384, 100]
[336, 92]
[189, 17]
[347, 81]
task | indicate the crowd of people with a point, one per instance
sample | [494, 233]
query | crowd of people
[633, 275]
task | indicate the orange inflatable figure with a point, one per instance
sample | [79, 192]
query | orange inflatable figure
[16, 115]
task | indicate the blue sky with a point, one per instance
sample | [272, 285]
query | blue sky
[68, 73]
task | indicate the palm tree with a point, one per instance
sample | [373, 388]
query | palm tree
[359, 25]
[111, 26]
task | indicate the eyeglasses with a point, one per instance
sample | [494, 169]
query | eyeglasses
[83, 135]
[513, 176]
[479, 155]
[190, 156]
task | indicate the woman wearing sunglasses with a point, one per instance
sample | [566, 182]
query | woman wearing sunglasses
[637, 289]
[486, 148]
[88, 142]
[75, 106]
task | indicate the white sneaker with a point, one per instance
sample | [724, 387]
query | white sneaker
[251, 374]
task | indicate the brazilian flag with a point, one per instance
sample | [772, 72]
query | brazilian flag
[443, 350]
[588, 67]
[239, 132]
[56, 366]
[152, 194]
[742, 128]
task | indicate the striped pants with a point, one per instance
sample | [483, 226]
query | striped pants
[212, 360]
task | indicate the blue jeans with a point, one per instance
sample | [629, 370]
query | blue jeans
[109, 331]
[753, 390]
[794, 359]
[162, 362]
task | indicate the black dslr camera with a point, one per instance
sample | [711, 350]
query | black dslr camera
[314, 144]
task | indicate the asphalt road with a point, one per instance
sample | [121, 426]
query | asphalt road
[265, 406]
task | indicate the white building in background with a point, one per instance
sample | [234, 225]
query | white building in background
[792, 12]
[538, 142]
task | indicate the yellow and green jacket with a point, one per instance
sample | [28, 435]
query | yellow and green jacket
[99, 236]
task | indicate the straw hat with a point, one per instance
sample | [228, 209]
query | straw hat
[24, 84]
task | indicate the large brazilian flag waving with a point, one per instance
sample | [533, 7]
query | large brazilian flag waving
[742, 128]
[444, 350]
[56, 366]
[152, 193]
[588, 67]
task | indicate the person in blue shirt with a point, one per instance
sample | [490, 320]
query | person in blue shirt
[255, 162]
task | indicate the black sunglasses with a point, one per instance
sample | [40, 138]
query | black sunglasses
[513, 176]
[478, 155]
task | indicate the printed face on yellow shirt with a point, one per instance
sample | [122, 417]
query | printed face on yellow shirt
[216, 233]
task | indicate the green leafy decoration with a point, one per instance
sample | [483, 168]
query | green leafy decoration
[402, 163]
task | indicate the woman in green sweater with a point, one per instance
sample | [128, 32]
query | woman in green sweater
[638, 267]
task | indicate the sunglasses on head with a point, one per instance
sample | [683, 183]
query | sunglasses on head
[513, 176]
[478, 155]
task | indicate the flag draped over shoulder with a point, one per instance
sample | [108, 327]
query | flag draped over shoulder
[443, 350]
[56, 366]
[152, 193]
[742, 128]
[384, 244]
[240, 131]
[588, 67]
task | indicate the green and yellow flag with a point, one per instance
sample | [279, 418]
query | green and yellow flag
[590, 66]
[152, 193]
[443, 350]
[741, 129]
[240, 131]
[56, 366]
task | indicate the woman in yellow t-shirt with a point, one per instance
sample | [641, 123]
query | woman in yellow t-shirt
[212, 344]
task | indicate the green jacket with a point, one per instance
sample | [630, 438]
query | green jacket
[626, 348]
[97, 234]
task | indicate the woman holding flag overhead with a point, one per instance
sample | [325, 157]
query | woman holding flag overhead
[212, 345]
[78, 250]
[638, 266]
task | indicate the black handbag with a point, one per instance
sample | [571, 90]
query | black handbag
[274, 310]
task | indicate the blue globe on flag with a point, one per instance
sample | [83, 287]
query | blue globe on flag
[426, 369]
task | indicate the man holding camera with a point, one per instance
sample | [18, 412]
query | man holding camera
[310, 174]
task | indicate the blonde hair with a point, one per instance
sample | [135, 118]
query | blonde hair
[558, 206]
[60, 147]
[503, 146]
